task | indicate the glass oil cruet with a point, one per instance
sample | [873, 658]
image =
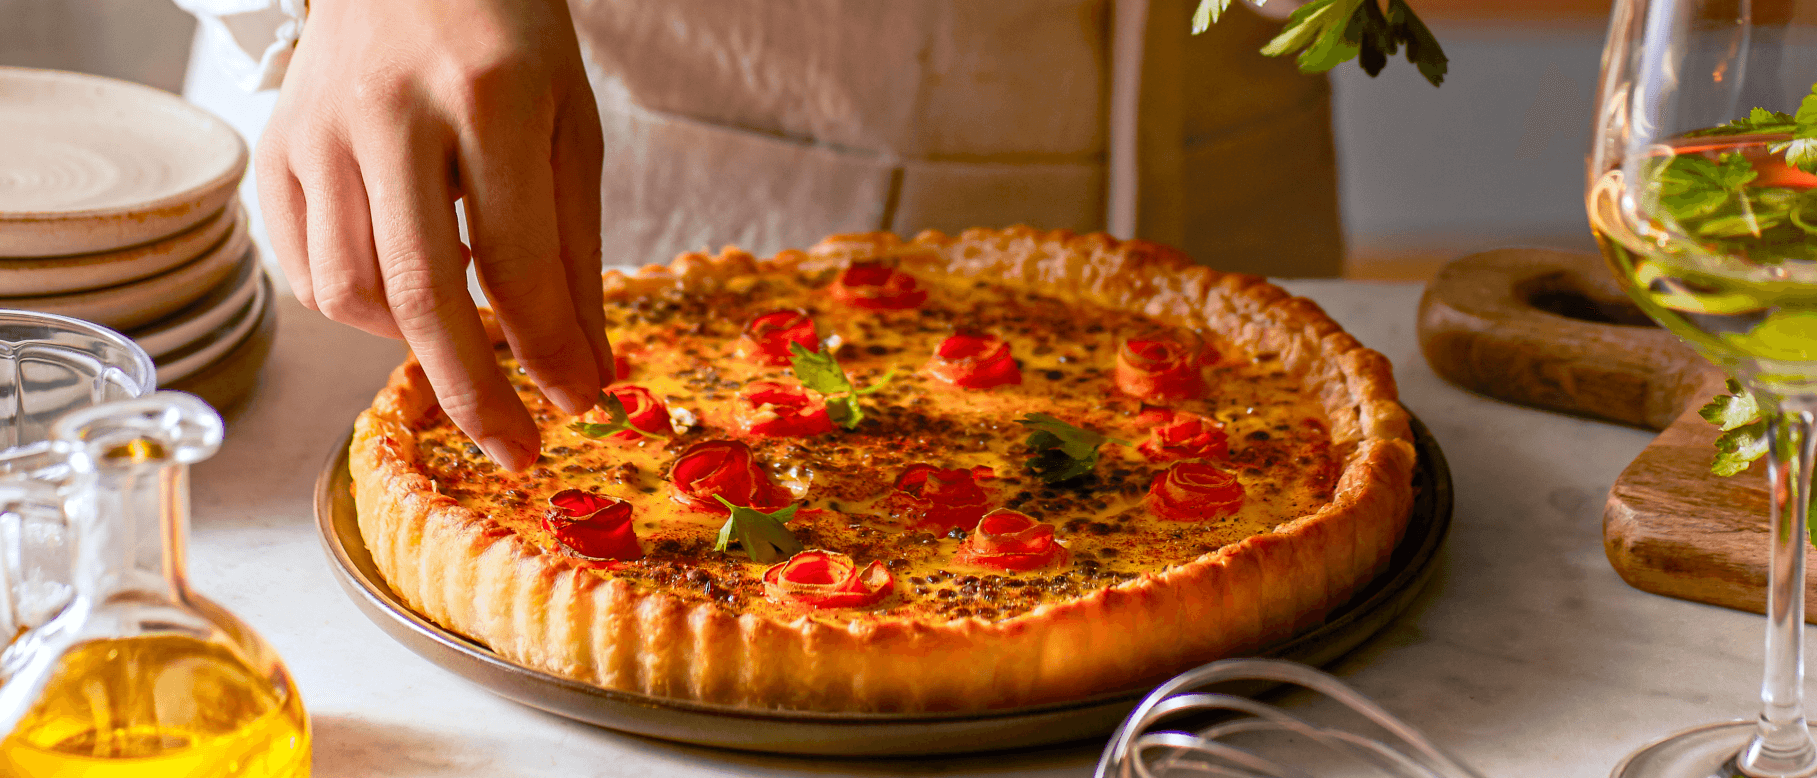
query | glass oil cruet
[140, 676]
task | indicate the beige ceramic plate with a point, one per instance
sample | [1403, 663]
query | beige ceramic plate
[201, 317]
[190, 359]
[127, 306]
[228, 381]
[21, 276]
[856, 734]
[93, 164]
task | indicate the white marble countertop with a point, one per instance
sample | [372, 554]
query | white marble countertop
[1525, 656]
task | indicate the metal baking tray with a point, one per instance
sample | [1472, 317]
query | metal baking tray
[855, 734]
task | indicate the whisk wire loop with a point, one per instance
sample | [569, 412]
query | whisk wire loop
[1136, 752]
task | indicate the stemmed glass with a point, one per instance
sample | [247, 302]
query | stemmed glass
[1714, 233]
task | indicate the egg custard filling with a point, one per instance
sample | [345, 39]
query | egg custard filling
[859, 492]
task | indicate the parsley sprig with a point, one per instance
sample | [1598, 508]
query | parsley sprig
[763, 536]
[1744, 429]
[1061, 450]
[1800, 151]
[1328, 33]
[1744, 439]
[1717, 202]
[619, 420]
[820, 371]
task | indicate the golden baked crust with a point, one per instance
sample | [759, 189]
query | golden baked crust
[484, 580]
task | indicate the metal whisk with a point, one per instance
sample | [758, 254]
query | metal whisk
[1136, 752]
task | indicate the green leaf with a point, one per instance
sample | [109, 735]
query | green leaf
[1330, 32]
[1739, 447]
[1061, 450]
[820, 371]
[1207, 14]
[620, 420]
[1693, 188]
[1369, 30]
[1760, 121]
[1806, 116]
[763, 536]
[1422, 47]
[1744, 431]
[1800, 153]
[1318, 23]
[1733, 410]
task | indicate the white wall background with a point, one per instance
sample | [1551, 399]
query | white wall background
[1494, 156]
[139, 40]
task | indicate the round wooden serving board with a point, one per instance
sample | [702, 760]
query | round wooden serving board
[1550, 329]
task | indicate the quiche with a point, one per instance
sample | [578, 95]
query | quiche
[945, 474]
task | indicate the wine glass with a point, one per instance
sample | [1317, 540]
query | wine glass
[1698, 199]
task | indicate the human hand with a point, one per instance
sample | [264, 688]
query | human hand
[390, 111]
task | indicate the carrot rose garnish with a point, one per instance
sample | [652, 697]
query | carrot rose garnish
[1159, 370]
[774, 409]
[1007, 540]
[827, 579]
[939, 498]
[974, 360]
[766, 339]
[1194, 491]
[592, 526]
[724, 468]
[1187, 436]
[878, 287]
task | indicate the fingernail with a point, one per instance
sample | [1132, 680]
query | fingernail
[508, 455]
[570, 401]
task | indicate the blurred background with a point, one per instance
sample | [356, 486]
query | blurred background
[1493, 158]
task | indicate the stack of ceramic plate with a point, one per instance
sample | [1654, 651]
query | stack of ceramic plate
[117, 206]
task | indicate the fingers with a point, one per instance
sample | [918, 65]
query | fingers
[344, 267]
[510, 194]
[281, 202]
[576, 160]
[418, 252]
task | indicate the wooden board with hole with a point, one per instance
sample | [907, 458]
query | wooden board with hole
[1550, 329]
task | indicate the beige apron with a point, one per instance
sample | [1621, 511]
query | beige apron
[772, 123]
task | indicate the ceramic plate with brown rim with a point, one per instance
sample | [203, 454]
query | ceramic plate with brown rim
[196, 321]
[129, 305]
[81, 272]
[92, 164]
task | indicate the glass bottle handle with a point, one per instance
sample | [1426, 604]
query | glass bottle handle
[183, 427]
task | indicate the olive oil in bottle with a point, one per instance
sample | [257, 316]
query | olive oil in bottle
[139, 676]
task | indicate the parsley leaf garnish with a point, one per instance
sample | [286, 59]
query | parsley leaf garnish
[619, 420]
[1061, 450]
[1760, 121]
[1697, 191]
[762, 535]
[1744, 429]
[1800, 151]
[819, 371]
[1330, 32]
[1744, 436]
[1207, 14]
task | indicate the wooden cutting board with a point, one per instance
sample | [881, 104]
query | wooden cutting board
[1549, 329]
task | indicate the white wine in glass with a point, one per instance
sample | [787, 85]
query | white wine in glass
[1702, 194]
